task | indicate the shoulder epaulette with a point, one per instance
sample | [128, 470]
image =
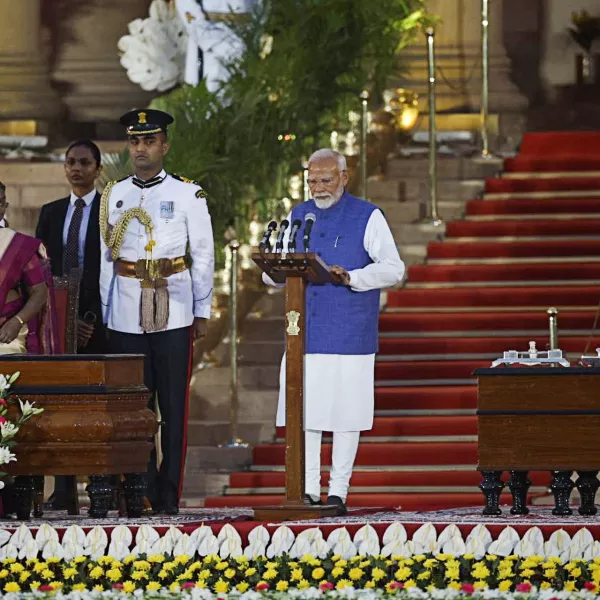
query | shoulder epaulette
[185, 179]
[115, 181]
[200, 193]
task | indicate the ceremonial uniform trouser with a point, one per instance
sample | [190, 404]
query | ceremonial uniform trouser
[345, 447]
[166, 375]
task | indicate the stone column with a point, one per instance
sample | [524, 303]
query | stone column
[96, 87]
[458, 57]
[25, 92]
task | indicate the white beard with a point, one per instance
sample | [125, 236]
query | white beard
[325, 203]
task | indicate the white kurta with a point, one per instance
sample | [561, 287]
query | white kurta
[339, 389]
[182, 226]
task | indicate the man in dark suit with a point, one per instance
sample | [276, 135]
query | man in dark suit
[69, 228]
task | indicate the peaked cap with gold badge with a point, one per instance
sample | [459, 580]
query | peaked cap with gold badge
[146, 121]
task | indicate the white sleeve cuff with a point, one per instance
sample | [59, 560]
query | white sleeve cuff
[202, 312]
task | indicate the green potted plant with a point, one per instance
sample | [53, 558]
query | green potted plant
[584, 32]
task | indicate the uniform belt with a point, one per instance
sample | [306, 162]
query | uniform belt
[151, 269]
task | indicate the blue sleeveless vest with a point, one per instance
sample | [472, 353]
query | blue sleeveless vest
[339, 320]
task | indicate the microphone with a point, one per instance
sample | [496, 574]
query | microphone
[293, 232]
[279, 244]
[309, 221]
[265, 241]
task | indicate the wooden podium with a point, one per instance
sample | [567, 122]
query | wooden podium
[295, 270]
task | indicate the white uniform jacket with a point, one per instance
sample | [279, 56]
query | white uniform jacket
[182, 226]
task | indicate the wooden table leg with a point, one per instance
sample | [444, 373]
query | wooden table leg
[135, 489]
[561, 487]
[100, 492]
[492, 485]
[587, 484]
[519, 485]
[23, 491]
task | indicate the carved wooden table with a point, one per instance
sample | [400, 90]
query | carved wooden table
[542, 419]
[96, 422]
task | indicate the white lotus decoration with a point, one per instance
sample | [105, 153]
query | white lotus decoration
[154, 51]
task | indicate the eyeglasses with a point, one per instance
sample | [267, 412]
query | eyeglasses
[84, 162]
[326, 181]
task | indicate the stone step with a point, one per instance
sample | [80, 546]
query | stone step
[270, 304]
[385, 189]
[198, 485]
[213, 433]
[398, 213]
[257, 352]
[212, 402]
[447, 168]
[413, 254]
[418, 234]
[447, 189]
[265, 329]
[216, 460]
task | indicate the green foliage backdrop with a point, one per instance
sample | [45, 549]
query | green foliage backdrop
[323, 54]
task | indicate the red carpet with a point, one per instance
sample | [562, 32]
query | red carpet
[566, 184]
[411, 426]
[426, 397]
[533, 206]
[557, 151]
[520, 272]
[391, 322]
[515, 227]
[485, 345]
[453, 316]
[541, 296]
[450, 249]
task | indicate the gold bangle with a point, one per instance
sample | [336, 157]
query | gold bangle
[18, 318]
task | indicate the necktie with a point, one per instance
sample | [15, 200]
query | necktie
[71, 260]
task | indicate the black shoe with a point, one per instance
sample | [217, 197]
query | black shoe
[336, 501]
[310, 500]
[171, 509]
[171, 501]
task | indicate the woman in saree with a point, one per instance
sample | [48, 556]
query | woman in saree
[26, 319]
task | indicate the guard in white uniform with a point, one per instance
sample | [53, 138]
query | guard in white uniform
[156, 284]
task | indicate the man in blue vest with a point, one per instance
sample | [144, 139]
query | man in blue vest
[353, 237]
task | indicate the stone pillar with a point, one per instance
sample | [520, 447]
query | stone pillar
[458, 56]
[25, 91]
[87, 68]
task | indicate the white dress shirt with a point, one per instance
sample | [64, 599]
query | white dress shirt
[87, 209]
[339, 390]
[181, 225]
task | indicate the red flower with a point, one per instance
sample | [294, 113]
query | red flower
[395, 585]
[117, 586]
[326, 585]
[467, 588]
[46, 588]
[2, 420]
[524, 588]
[3, 402]
[262, 587]
[589, 585]
[187, 585]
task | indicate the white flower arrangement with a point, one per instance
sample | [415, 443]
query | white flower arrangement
[9, 430]
[202, 542]
[154, 51]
